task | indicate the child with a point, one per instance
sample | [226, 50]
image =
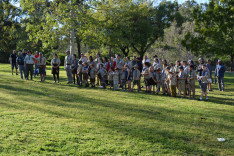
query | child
[152, 78]
[124, 76]
[145, 73]
[110, 77]
[129, 78]
[191, 81]
[158, 78]
[172, 83]
[164, 77]
[74, 68]
[136, 77]
[167, 88]
[181, 81]
[92, 75]
[115, 79]
[204, 81]
[79, 74]
[85, 70]
[102, 72]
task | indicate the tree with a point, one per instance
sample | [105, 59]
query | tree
[214, 25]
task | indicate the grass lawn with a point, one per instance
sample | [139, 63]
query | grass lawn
[43, 118]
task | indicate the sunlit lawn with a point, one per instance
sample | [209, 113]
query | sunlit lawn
[59, 119]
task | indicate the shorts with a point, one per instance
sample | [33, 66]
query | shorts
[41, 69]
[151, 81]
[111, 82]
[74, 70]
[147, 82]
[92, 80]
[85, 76]
[204, 87]
[13, 65]
[136, 82]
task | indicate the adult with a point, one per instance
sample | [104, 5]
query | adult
[129, 62]
[13, 58]
[74, 68]
[55, 63]
[28, 64]
[156, 57]
[177, 66]
[134, 62]
[219, 73]
[41, 63]
[24, 54]
[67, 66]
[199, 69]
[83, 58]
[36, 72]
[20, 64]
[145, 59]
[209, 67]
[186, 67]
[119, 66]
[112, 63]
[156, 63]
[97, 58]
[91, 61]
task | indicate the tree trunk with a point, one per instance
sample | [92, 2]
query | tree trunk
[110, 53]
[78, 42]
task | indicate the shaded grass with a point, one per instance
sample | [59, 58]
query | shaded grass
[60, 119]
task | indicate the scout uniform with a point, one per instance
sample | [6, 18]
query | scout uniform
[181, 82]
[136, 75]
[41, 62]
[79, 74]
[92, 74]
[55, 70]
[119, 66]
[67, 67]
[110, 78]
[29, 61]
[115, 80]
[85, 70]
[20, 61]
[103, 72]
[172, 83]
[158, 78]
[204, 80]
[146, 76]
[191, 83]
[74, 66]
[124, 78]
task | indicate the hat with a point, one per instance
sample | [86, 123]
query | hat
[219, 60]
[181, 67]
[135, 66]
[40, 53]
[155, 56]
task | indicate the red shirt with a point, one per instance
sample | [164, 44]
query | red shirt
[36, 56]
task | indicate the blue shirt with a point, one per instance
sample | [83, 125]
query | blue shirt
[220, 70]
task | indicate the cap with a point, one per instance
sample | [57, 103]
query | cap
[181, 67]
[135, 66]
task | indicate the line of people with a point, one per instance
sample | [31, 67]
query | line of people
[127, 74]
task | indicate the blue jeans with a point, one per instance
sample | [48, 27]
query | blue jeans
[22, 71]
[221, 80]
[36, 70]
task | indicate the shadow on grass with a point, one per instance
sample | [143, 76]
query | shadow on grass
[173, 140]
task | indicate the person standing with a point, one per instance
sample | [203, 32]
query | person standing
[219, 73]
[204, 80]
[199, 69]
[13, 58]
[67, 66]
[36, 66]
[41, 63]
[74, 68]
[20, 64]
[209, 67]
[28, 64]
[24, 54]
[55, 63]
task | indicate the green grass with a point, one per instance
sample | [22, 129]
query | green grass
[59, 119]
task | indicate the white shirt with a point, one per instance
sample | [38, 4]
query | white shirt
[68, 60]
[29, 59]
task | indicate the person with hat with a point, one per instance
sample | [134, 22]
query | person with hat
[219, 73]
[136, 75]
[41, 62]
[67, 66]
[55, 63]
[28, 64]
[20, 64]
[191, 81]
[181, 81]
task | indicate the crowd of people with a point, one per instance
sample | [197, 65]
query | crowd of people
[158, 75]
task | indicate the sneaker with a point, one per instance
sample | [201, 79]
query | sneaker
[206, 99]
[16, 73]
[200, 99]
